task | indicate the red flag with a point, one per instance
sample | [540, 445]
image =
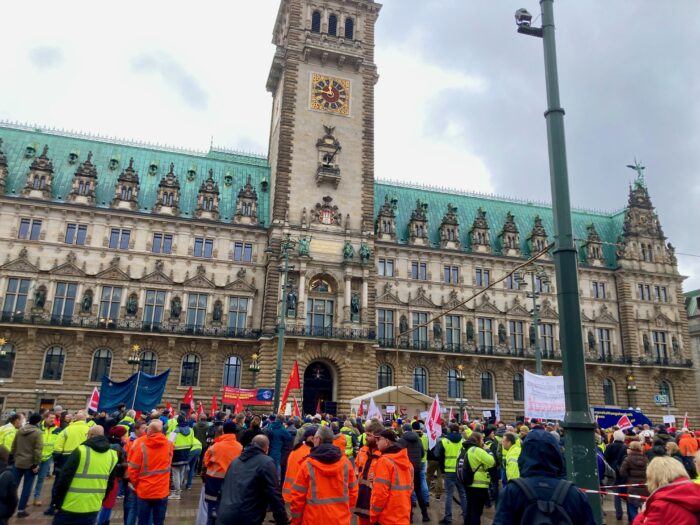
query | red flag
[466, 415]
[200, 410]
[433, 424]
[624, 423]
[169, 408]
[318, 406]
[451, 416]
[292, 382]
[295, 409]
[212, 412]
[686, 424]
[361, 410]
[238, 407]
[138, 415]
[95, 400]
[189, 400]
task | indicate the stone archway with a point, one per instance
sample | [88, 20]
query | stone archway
[319, 385]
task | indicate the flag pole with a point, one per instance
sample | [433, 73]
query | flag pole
[138, 377]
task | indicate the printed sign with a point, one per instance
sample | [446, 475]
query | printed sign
[544, 397]
[391, 409]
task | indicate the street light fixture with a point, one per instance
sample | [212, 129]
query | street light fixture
[460, 382]
[134, 358]
[3, 352]
[578, 422]
[254, 367]
[536, 272]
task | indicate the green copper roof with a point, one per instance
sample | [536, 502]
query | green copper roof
[691, 302]
[191, 168]
[608, 225]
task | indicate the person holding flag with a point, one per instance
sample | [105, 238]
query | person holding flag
[292, 383]
[214, 407]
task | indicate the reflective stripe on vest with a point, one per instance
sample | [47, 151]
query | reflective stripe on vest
[145, 471]
[451, 453]
[396, 485]
[89, 484]
[315, 500]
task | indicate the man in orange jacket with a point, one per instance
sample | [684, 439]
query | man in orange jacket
[325, 488]
[149, 472]
[366, 465]
[217, 459]
[390, 503]
[295, 460]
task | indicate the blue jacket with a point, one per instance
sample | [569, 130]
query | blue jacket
[278, 436]
[542, 465]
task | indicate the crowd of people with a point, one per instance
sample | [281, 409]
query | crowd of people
[319, 468]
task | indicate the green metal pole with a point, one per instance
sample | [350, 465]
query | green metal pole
[536, 325]
[281, 328]
[578, 424]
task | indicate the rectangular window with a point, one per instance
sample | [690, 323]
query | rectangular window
[30, 229]
[419, 271]
[119, 239]
[385, 267]
[64, 301]
[196, 310]
[242, 251]
[599, 291]
[110, 300]
[660, 348]
[511, 283]
[385, 327]
[420, 335]
[162, 243]
[541, 286]
[517, 337]
[482, 277]
[644, 292]
[451, 274]
[485, 327]
[76, 234]
[547, 338]
[153, 309]
[604, 345]
[661, 294]
[237, 314]
[203, 247]
[453, 331]
[16, 296]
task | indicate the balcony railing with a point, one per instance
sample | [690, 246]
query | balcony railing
[130, 325]
[666, 361]
[330, 332]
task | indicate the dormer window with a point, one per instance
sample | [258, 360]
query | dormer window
[113, 163]
[247, 209]
[316, 22]
[168, 198]
[72, 157]
[30, 152]
[333, 25]
[39, 183]
[126, 193]
[83, 188]
[191, 174]
[208, 204]
[349, 28]
[228, 180]
[153, 168]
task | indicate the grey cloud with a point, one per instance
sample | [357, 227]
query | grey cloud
[46, 56]
[175, 75]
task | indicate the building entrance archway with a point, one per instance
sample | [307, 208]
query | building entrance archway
[319, 385]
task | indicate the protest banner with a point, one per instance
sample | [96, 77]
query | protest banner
[544, 397]
[247, 396]
[607, 417]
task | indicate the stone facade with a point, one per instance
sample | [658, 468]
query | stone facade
[109, 244]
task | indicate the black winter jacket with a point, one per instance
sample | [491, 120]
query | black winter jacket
[615, 454]
[8, 493]
[414, 446]
[250, 486]
[542, 465]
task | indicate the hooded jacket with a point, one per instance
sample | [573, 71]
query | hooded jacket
[390, 503]
[414, 447]
[327, 479]
[454, 437]
[149, 466]
[294, 461]
[278, 436]
[28, 446]
[183, 440]
[8, 493]
[542, 466]
[200, 431]
[634, 471]
[687, 444]
[677, 503]
[615, 454]
[250, 486]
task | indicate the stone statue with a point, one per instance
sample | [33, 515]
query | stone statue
[175, 308]
[348, 251]
[647, 345]
[470, 332]
[355, 307]
[533, 335]
[40, 297]
[365, 253]
[86, 304]
[591, 341]
[132, 305]
[437, 330]
[304, 245]
[403, 325]
[675, 346]
[502, 336]
[218, 312]
[292, 301]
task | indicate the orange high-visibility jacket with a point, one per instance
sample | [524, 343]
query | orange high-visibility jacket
[219, 456]
[366, 465]
[149, 466]
[688, 445]
[390, 503]
[294, 462]
[339, 441]
[323, 492]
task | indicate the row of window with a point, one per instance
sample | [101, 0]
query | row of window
[649, 292]
[119, 239]
[333, 28]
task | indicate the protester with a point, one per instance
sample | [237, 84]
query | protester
[49, 433]
[479, 461]
[27, 448]
[614, 455]
[328, 481]
[433, 473]
[86, 478]
[116, 440]
[366, 464]
[296, 457]
[674, 498]
[149, 473]
[250, 488]
[350, 434]
[287, 446]
[182, 439]
[130, 500]
[9, 430]
[633, 472]
[200, 433]
[278, 437]
[217, 460]
[390, 503]
[128, 421]
[512, 448]
[449, 448]
[253, 431]
[8, 487]
[192, 461]
[413, 445]
[688, 446]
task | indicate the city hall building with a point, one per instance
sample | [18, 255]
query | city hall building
[113, 250]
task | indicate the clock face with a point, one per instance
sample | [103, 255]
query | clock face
[330, 94]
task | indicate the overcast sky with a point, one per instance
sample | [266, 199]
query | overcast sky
[459, 101]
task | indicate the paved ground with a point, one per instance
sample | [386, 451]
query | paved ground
[183, 512]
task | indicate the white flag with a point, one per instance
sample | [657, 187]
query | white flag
[433, 424]
[498, 409]
[373, 412]
[94, 400]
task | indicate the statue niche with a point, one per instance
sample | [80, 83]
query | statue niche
[328, 171]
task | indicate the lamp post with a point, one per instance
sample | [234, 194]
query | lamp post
[631, 390]
[134, 358]
[535, 272]
[460, 382]
[287, 244]
[578, 421]
[254, 367]
[3, 352]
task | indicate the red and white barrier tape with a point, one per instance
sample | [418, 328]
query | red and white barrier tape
[620, 486]
[622, 495]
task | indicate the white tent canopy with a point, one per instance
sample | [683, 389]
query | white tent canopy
[398, 396]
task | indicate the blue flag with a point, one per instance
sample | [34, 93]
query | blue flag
[607, 417]
[141, 392]
[264, 394]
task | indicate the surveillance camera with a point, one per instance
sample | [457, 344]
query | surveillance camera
[523, 17]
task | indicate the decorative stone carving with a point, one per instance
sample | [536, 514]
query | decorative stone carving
[246, 204]
[510, 237]
[537, 240]
[304, 246]
[348, 251]
[385, 226]
[208, 199]
[480, 233]
[132, 305]
[365, 253]
[84, 182]
[593, 246]
[418, 225]
[39, 177]
[86, 303]
[40, 297]
[175, 308]
[327, 213]
[218, 312]
[449, 229]
[168, 199]
[3, 169]
[126, 191]
[328, 148]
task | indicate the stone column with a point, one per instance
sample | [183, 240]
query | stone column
[301, 302]
[347, 298]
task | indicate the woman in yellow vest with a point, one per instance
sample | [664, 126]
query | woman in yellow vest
[480, 461]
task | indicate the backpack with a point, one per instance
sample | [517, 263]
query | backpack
[545, 512]
[465, 474]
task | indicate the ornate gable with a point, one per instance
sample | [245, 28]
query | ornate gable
[84, 182]
[239, 285]
[479, 233]
[168, 199]
[113, 274]
[546, 310]
[68, 269]
[421, 300]
[246, 205]
[126, 191]
[584, 317]
[537, 240]
[208, 199]
[517, 309]
[418, 225]
[510, 237]
[199, 280]
[449, 229]
[389, 297]
[486, 306]
[385, 226]
[21, 264]
[604, 316]
[661, 319]
[39, 177]
[454, 302]
[157, 276]
[593, 246]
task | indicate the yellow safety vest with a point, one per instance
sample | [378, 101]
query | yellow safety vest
[349, 449]
[71, 438]
[480, 461]
[451, 454]
[426, 444]
[89, 485]
[7, 435]
[50, 434]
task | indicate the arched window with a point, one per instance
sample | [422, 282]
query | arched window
[232, 371]
[608, 391]
[486, 385]
[385, 376]
[333, 25]
[518, 387]
[189, 375]
[349, 28]
[420, 380]
[148, 362]
[7, 360]
[452, 384]
[316, 22]
[101, 363]
[666, 390]
[53, 364]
